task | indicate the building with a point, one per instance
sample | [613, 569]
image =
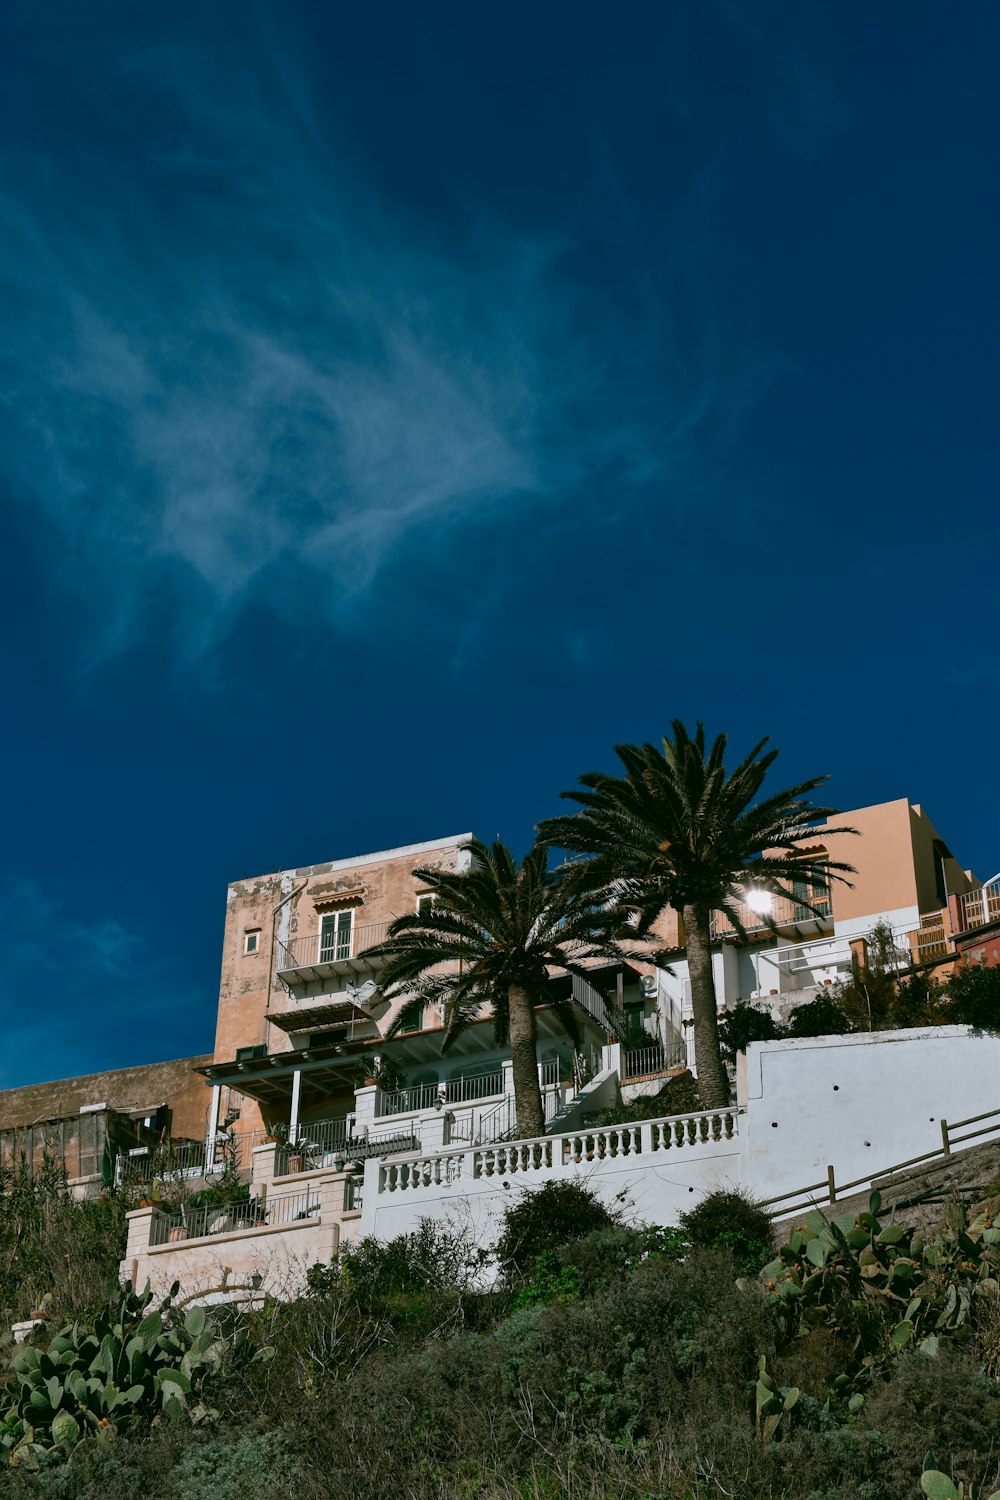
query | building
[301, 1042]
[99, 1126]
[906, 879]
[343, 1130]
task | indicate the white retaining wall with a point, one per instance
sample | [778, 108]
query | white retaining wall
[858, 1103]
[655, 1169]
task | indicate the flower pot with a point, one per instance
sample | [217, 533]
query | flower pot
[150, 1203]
[294, 1162]
[179, 1232]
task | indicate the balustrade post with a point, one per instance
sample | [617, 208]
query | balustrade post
[365, 1108]
[213, 1127]
[611, 1056]
[262, 1167]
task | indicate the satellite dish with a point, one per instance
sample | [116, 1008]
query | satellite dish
[363, 994]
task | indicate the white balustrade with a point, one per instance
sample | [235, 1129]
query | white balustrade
[547, 1154]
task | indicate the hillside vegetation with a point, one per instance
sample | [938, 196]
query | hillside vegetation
[606, 1360]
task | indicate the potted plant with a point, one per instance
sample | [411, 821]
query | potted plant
[155, 1196]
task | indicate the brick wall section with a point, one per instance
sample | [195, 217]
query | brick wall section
[172, 1083]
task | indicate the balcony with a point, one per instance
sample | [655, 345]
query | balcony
[977, 908]
[330, 955]
[654, 1061]
[784, 912]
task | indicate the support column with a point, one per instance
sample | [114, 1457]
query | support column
[365, 1108]
[293, 1122]
[611, 1056]
[213, 1127]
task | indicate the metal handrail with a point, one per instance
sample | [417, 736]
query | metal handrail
[647, 1062]
[230, 1218]
[785, 912]
[594, 1003]
[308, 949]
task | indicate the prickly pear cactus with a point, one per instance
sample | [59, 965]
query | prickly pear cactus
[135, 1363]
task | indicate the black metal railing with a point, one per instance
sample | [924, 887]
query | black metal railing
[230, 1218]
[331, 947]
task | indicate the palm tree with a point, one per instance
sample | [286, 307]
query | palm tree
[490, 936]
[678, 831]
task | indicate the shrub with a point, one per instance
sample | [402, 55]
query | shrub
[732, 1221]
[746, 1023]
[54, 1248]
[585, 1265]
[434, 1257]
[819, 1017]
[256, 1464]
[974, 993]
[679, 1096]
[546, 1219]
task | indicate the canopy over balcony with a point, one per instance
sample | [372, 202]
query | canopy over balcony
[326, 1069]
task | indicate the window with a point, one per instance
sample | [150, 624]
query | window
[425, 905]
[941, 853]
[415, 1024]
[251, 941]
[816, 890]
[336, 935]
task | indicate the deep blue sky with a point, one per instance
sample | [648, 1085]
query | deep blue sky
[400, 404]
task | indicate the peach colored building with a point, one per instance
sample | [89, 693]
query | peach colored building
[302, 1021]
[906, 878]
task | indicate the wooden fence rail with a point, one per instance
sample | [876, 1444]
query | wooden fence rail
[831, 1189]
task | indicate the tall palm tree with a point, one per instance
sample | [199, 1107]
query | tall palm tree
[490, 937]
[678, 831]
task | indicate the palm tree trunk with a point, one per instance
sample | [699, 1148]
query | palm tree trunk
[524, 1064]
[713, 1083]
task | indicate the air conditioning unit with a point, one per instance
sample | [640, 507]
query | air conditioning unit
[648, 985]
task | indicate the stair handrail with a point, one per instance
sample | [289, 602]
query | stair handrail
[940, 1155]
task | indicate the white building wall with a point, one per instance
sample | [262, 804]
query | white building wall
[859, 1103]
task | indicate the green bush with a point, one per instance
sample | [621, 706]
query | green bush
[819, 1017]
[729, 1220]
[746, 1023]
[974, 996]
[433, 1257]
[255, 1465]
[583, 1266]
[548, 1218]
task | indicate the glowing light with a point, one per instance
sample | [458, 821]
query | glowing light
[761, 902]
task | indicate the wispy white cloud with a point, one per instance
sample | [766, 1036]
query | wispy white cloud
[237, 376]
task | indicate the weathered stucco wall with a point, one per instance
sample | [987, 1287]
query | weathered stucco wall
[172, 1083]
[289, 905]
